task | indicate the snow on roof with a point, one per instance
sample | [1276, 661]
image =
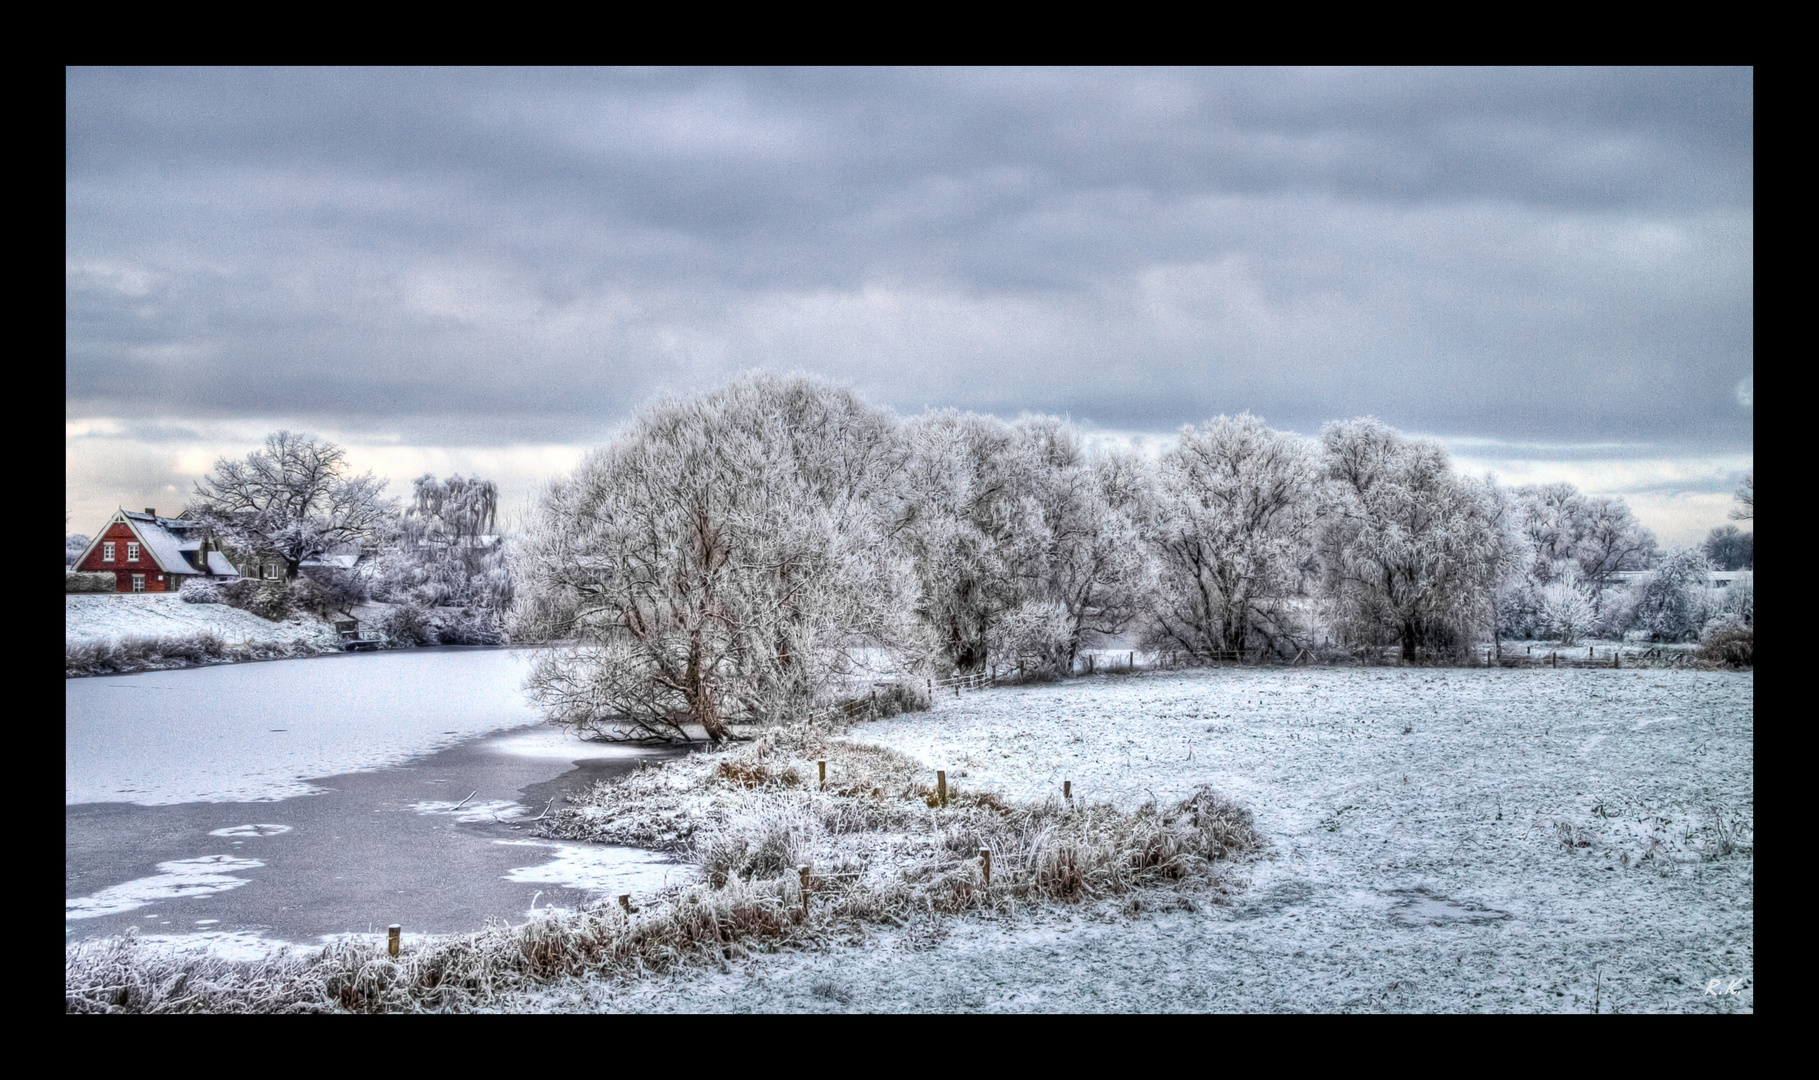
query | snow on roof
[159, 543]
[218, 564]
[339, 562]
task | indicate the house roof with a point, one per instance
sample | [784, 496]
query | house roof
[218, 564]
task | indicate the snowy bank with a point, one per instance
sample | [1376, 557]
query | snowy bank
[109, 633]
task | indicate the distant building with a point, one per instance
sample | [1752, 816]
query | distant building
[148, 553]
[1718, 579]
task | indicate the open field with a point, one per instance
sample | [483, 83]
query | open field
[1441, 840]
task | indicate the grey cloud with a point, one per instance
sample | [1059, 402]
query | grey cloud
[507, 255]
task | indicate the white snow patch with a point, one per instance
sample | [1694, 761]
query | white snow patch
[598, 868]
[181, 878]
[561, 744]
[251, 830]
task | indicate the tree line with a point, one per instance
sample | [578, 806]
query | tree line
[733, 555]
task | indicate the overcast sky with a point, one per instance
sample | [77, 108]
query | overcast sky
[488, 271]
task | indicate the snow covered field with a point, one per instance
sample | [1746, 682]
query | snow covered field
[1442, 840]
[113, 616]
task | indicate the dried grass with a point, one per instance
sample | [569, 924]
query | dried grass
[879, 852]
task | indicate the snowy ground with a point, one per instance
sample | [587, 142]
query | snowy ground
[1443, 840]
[89, 618]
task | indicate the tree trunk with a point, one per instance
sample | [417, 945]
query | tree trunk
[698, 690]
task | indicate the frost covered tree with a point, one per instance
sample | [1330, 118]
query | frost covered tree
[1729, 548]
[292, 500]
[74, 544]
[1408, 549]
[1671, 602]
[718, 562]
[1745, 510]
[1590, 537]
[974, 535]
[449, 550]
[1613, 541]
[1088, 557]
[1234, 520]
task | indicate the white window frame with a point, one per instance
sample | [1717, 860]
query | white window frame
[132, 551]
[138, 582]
[107, 551]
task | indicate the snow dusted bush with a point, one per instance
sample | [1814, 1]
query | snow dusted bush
[1738, 600]
[86, 582]
[459, 626]
[341, 588]
[202, 591]
[1671, 603]
[1036, 638]
[1567, 612]
[1728, 640]
[304, 594]
[141, 653]
[1617, 612]
[266, 598]
[408, 623]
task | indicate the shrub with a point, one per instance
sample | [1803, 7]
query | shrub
[268, 599]
[1035, 638]
[304, 594]
[1729, 642]
[459, 627]
[1670, 603]
[408, 624]
[342, 588]
[88, 582]
[202, 591]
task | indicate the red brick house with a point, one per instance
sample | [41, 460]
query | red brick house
[147, 553]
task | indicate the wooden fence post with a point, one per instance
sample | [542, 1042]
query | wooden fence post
[802, 872]
[941, 786]
[822, 765]
[392, 933]
[985, 858]
[1067, 790]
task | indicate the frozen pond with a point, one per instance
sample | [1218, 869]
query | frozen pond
[301, 799]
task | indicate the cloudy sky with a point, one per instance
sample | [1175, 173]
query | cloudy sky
[488, 271]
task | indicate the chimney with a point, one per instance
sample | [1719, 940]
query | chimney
[149, 512]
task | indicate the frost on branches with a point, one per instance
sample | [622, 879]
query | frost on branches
[1412, 553]
[292, 501]
[722, 561]
[1232, 529]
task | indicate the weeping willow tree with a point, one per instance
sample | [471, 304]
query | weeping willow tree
[450, 551]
